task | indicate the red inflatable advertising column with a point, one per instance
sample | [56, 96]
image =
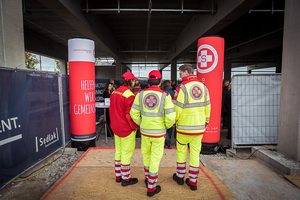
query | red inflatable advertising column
[210, 59]
[82, 89]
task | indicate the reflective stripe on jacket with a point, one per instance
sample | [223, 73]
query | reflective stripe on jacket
[192, 105]
[154, 111]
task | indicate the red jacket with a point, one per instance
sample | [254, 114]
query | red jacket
[120, 104]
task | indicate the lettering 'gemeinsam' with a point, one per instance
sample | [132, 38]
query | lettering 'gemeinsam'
[87, 84]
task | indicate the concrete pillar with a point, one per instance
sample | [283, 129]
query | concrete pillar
[125, 69]
[289, 112]
[118, 70]
[227, 70]
[11, 34]
[63, 67]
[174, 70]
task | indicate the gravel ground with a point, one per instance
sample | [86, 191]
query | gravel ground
[37, 186]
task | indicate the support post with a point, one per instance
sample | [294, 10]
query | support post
[289, 112]
[12, 51]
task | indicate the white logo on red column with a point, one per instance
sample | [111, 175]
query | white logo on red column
[204, 58]
[207, 58]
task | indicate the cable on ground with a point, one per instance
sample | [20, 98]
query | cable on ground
[43, 167]
[33, 172]
[249, 156]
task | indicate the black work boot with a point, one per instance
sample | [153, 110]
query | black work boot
[130, 182]
[156, 191]
[188, 183]
[119, 180]
[177, 179]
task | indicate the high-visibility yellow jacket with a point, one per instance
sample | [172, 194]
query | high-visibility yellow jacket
[153, 110]
[192, 106]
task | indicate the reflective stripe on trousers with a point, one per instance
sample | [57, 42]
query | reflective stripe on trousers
[118, 169]
[193, 175]
[125, 171]
[181, 170]
[152, 179]
[146, 169]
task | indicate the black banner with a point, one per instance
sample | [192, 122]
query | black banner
[66, 106]
[30, 126]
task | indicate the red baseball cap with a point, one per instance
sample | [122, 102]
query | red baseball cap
[128, 75]
[154, 74]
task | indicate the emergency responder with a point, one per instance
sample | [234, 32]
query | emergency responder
[124, 128]
[192, 106]
[154, 111]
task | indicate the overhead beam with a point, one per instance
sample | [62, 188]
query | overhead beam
[117, 10]
[262, 43]
[70, 11]
[37, 43]
[200, 25]
[261, 66]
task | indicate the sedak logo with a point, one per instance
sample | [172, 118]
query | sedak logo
[207, 58]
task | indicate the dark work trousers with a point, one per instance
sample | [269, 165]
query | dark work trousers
[138, 134]
[229, 125]
[225, 121]
[168, 136]
[108, 123]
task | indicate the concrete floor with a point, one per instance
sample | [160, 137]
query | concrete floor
[93, 177]
[248, 179]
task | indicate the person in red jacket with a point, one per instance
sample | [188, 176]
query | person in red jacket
[124, 128]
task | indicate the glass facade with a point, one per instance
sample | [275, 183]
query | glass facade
[142, 70]
[45, 63]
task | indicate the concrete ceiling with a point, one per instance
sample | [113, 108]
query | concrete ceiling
[127, 31]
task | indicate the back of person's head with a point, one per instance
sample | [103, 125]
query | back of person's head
[187, 67]
[226, 82]
[127, 79]
[106, 88]
[137, 84]
[154, 78]
[166, 84]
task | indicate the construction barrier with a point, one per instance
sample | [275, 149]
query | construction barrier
[255, 109]
[66, 107]
[34, 118]
[30, 121]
